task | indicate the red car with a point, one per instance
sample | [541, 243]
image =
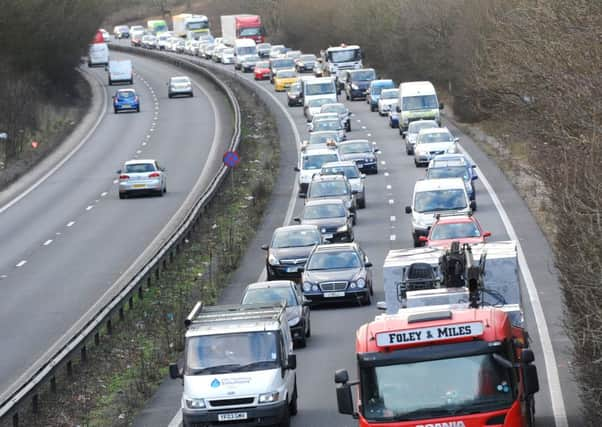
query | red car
[262, 70]
[462, 228]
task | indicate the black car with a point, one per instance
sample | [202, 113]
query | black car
[361, 152]
[289, 249]
[297, 307]
[248, 65]
[294, 95]
[356, 83]
[338, 272]
[306, 63]
[333, 187]
[332, 218]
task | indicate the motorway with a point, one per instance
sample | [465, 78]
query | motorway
[382, 226]
[70, 239]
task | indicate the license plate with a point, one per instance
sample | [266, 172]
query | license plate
[334, 294]
[291, 269]
[139, 185]
[126, 106]
[328, 236]
[232, 416]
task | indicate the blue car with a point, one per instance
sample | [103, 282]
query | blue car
[374, 90]
[126, 99]
[393, 118]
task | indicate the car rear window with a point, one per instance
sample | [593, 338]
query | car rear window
[139, 168]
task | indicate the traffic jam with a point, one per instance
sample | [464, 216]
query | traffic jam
[449, 348]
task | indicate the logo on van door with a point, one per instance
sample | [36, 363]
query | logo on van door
[215, 383]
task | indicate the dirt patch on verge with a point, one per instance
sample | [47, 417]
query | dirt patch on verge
[124, 369]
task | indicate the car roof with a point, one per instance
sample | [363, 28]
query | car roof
[137, 161]
[434, 130]
[348, 141]
[319, 152]
[333, 177]
[456, 219]
[324, 201]
[438, 184]
[381, 82]
[297, 227]
[334, 247]
[341, 163]
[129, 89]
[330, 104]
[271, 284]
[180, 77]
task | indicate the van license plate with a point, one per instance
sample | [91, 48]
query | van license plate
[334, 294]
[232, 416]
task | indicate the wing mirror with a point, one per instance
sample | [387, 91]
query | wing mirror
[296, 168]
[297, 219]
[118, 171]
[456, 139]
[408, 209]
[174, 371]
[265, 247]
[368, 264]
[404, 134]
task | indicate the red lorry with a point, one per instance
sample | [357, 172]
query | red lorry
[241, 27]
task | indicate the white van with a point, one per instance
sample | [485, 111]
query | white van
[120, 72]
[243, 48]
[319, 87]
[436, 196]
[238, 366]
[417, 101]
[98, 55]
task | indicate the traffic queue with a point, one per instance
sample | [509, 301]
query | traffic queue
[452, 348]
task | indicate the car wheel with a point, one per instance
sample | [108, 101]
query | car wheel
[475, 205]
[293, 409]
[286, 418]
[131, 81]
[351, 237]
[115, 110]
[347, 96]
[348, 127]
[123, 195]
[302, 342]
[417, 243]
[354, 219]
[308, 332]
[362, 203]
[110, 82]
[169, 95]
[371, 289]
[372, 108]
[375, 172]
[191, 94]
[138, 109]
[366, 300]
[416, 163]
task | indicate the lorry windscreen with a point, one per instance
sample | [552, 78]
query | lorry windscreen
[250, 32]
[197, 25]
[348, 55]
[224, 353]
[436, 388]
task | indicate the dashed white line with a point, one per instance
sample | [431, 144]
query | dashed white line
[138, 151]
[392, 218]
[368, 134]
[382, 162]
[391, 201]
[392, 237]
[144, 144]
[389, 186]
[386, 173]
[363, 127]
[104, 194]
[21, 263]
[47, 242]
[70, 223]
[359, 121]
[89, 208]
[116, 181]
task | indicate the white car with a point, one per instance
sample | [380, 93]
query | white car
[387, 101]
[432, 142]
[142, 177]
[227, 56]
[162, 41]
[411, 134]
[180, 85]
[310, 163]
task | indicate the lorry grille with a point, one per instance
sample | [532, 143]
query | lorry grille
[333, 286]
[232, 402]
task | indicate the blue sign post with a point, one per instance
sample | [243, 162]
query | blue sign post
[231, 160]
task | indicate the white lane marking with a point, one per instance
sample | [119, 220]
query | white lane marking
[389, 186]
[116, 181]
[21, 263]
[386, 173]
[64, 159]
[382, 162]
[70, 223]
[363, 127]
[392, 237]
[359, 121]
[138, 151]
[391, 201]
[368, 134]
[392, 218]
[89, 208]
[47, 242]
[554, 386]
[144, 144]
[177, 419]
[4, 276]
[103, 194]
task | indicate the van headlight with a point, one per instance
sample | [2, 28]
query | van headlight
[269, 397]
[272, 260]
[195, 403]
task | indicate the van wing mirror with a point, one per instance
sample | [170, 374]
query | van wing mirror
[174, 371]
[408, 209]
[291, 362]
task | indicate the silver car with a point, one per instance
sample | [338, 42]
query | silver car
[142, 177]
[411, 134]
[180, 85]
[356, 179]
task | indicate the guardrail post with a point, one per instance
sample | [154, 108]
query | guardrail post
[149, 281]
[109, 327]
[84, 354]
[131, 303]
[121, 313]
[53, 384]
[69, 369]
[34, 404]
[140, 292]
[96, 338]
[16, 420]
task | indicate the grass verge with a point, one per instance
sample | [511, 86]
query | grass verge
[122, 371]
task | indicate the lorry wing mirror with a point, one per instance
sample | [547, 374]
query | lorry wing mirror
[341, 376]
[530, 379]
[527, 356]
[408, 209]
[291, 361]
[345, 401]
[174, 371]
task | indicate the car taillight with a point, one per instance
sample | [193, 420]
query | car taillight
[136, 99]
[124, 177]
[154, 175]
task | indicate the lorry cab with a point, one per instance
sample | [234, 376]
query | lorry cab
[238, 366]
[417, 101]
[337, 59]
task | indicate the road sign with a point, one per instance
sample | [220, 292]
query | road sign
[231, 159]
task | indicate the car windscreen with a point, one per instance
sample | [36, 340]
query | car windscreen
[315, 161]
[433, 137]
[323, 138]
[457, 230]
[295, 238]
[262, 65]
[333, 260]
[376, 89]
[430, 389]
[250, 32]
[333, 108]
[286, 74]
[363, 75]
[350, 172]
[420, 102]
[228, 52]
[295, 87]
[389, 94]
[449, 172]
[327, 189]
[271, 296]
[139, 168]
[225, 353]
[126, 95]
[283, 63]
[315, 103]
[246, 50]
[324, 211]
[327, 125]
[440, 200]
[415, 127]
[252, 58]
[355, 147]
[312, 89]
[180, 80]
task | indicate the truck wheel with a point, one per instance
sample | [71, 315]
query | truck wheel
[286, 419]
[292, 408]
[417, 244]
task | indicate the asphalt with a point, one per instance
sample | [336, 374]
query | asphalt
[382, 226]
[67, 241]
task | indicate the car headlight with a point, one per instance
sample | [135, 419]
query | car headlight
[354, 87]
[453, 149]
[269, 397]
[361, 283]
[314, 288]
[195, 403]
[272, 260]
[294, 321]
[307, 286]
[342, 229]
[352, 285]
[370, 159]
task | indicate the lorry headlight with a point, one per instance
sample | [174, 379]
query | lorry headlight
[269, 397]
[361, 283]
[306, 286]
[342, 229]
[294, 321]
[272, 260]
[195, 403]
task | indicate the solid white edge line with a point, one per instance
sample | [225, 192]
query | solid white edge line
[558, 408]
[21, 263]
[68, 156]
[176, 420]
